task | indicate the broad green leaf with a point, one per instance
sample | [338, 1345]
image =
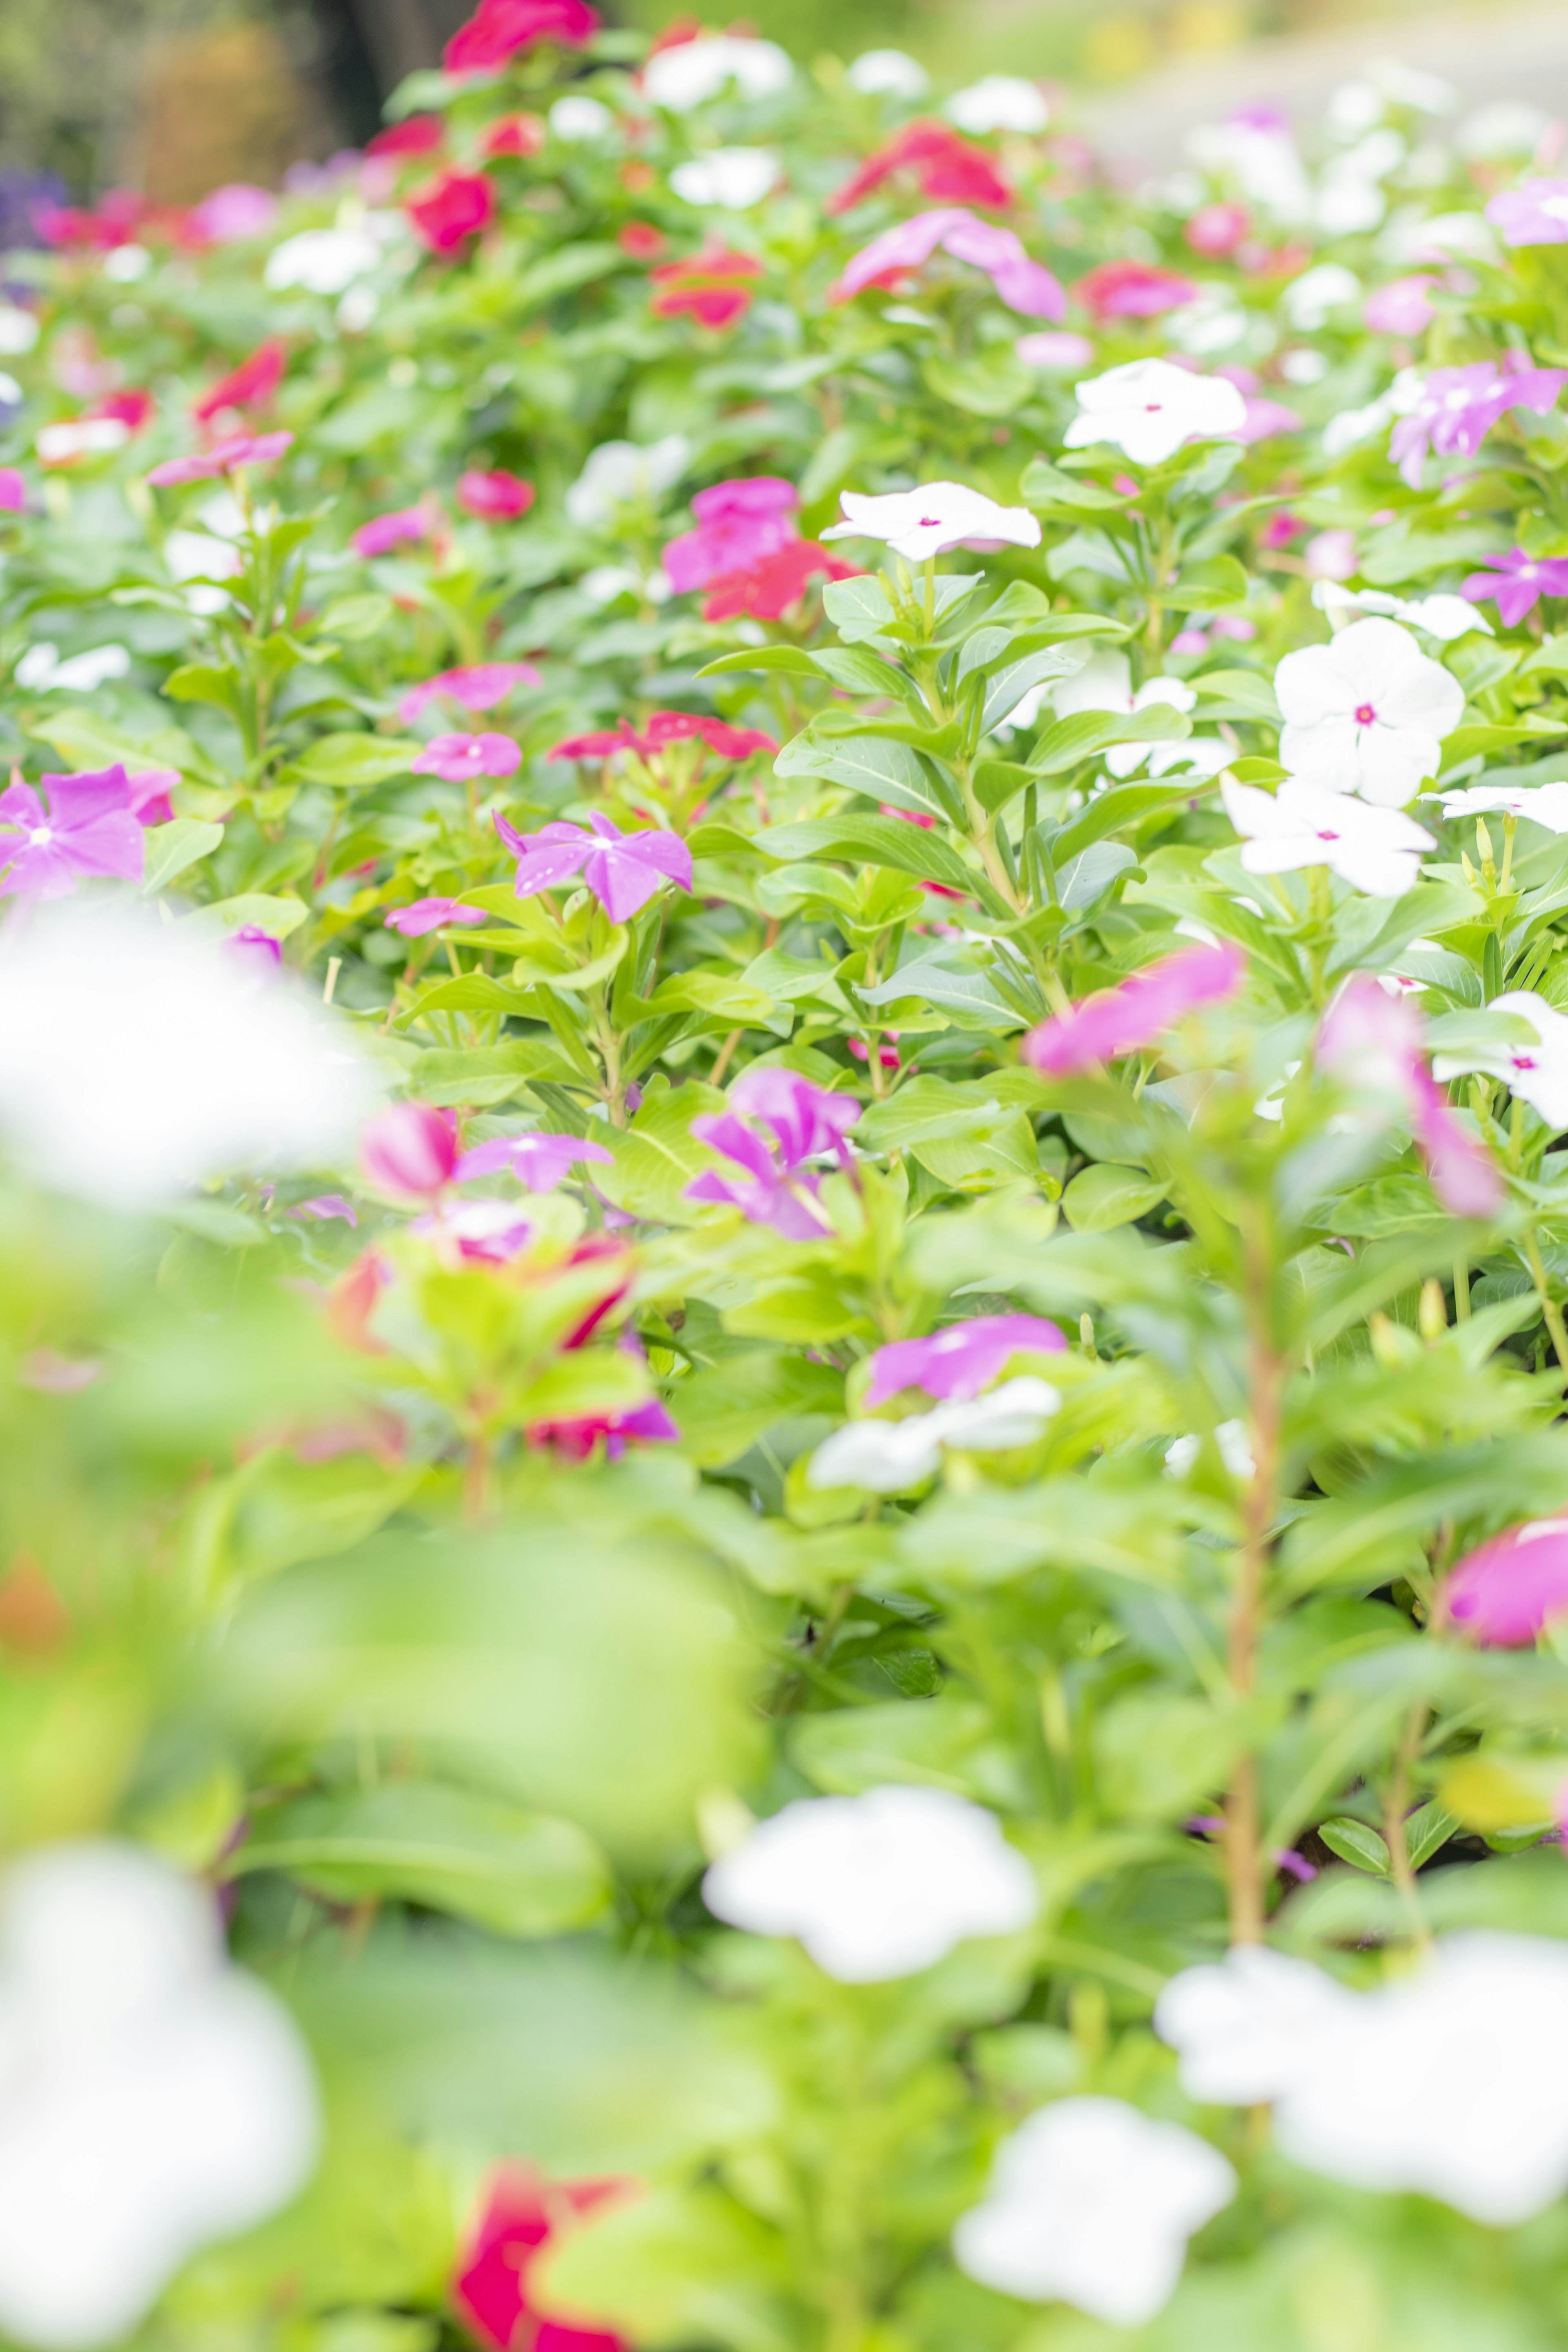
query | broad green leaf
[1105, 1195]
[1069, 743]
[1356, 1843]
[171, 848]
[870, 840]
[352, 759]
[253, 910]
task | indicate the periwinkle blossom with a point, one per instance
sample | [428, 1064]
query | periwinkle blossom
[1456, 408]
[1058, 350]
[944, 166]
[1239, 2025]
[1132, 289]
[1542, 804]
[479, 687]
[255, 951]
[1535, 1070]
[1126, 1019]
[1091, 2203]
[235, 213]
[730, 179]
[523, 2214]
[875, 1886]
[1402, 308]
[539, 1162]
[575, 1440]
[766, 588]
[321, 260]
[659, 732]
[410, 1150]
[1371, 1043]
[87, 829]
[1515, 583]
[619, 474]
[1442, 616]
[500, 29]
[241, 449]
[1105, 683]
[1025, 286]
[462, 758]
[687, 74]
[890, 1457]
[932, 519]
[384, 532]
[622, 870]
[738, 523]
[156, 2098]
[431, 915]
[497, 496]
[802, 1122]
[888, 73]
[999, 102]
[1535, 213]
[960, 1359]
[1366, 713]
[1505, 1591]
[12, 491]
[1377, 850]
[448, 210]
[1148, 408]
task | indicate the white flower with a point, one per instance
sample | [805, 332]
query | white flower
[930, 520]
[1230, 1436]
[691, 72]
[1377, 850]
[876, 72]
[124, 265]
[321, 260]
[1543, 804]
[1442, 617]
[1446, 237]
[998, 103]
[1105, 683]
[1263, 161]
[154, 2099]
[148, 1058]
[1240, 2025]
[82, 437]
[1310, 300]
[1091, 2203]
[1366, 713]
[1538, 1073]
[581, 120]
[620, 474]
[1507, 126]
[886, 1458]
[196, 555]
[1216, 322]
[19, 330]
[875, 1886]
[42, 671]
[1149, 407]
[733, 177]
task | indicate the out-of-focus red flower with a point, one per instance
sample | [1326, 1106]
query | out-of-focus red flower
[499, 28]
[661, 730]
[249, 386]
[421, 134]
[515, 134]
[1134, 290]
[135, 410]
[497, 497]
[410, 1150]
[715, 286]
[351, 1301]
[945, 166]
[641, 240]
[575, 1441]
[766, 588]
[115, 221]
[444, 212]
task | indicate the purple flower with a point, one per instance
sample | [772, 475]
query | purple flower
[384, 532]
[12, 491]
[1025, 286]
[256, 951]
[245, 449]
[1372, 1043]
[622, 870]
[430, 914]
[1265, 418]
[962, 1359]
[1124, 1019]
[324, 1205]
[477, 688]
[538, 1161]
[1535, 214]
[804, 1120]
[456, 759]
[88, 828]
[1527, 578]
[1459, 406]
[1404, 307]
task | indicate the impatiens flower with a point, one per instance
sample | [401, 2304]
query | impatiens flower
[1366, 713]
[87, 829]
[539, 1162]
[687, 74]
[500, 29]
[1402, 308]
[482, 687]
[321, 260]
[1092, 2203]
[714, 287]
[999, 102]
[244, 449]
[1372, 1043]
[459, 759]
[1149, 407]
[946, 167]
[961, 1358]
[446, 211]
[875, 1886]
[1535, 213]
[1377, 850]
[737, 523]
[1504, 1592]
[1543, 804]
[384, 532]
[1025, 286]
[929, 521]
[251, 385]
[890, 1458]
[1456, 408]
[1525, 580]
[410, 1150]
[1125, 1020]
[429, 915]
[497, 496]
[1132, 289]
[622, 871]
[524, 2213]
[1539, 1072]
[619, 474]
[732, 178]
[766, 588]
[157, 2098]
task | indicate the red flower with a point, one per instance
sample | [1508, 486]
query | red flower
[251, 384]
[515, 134]
[766, 588]
[1134, 290]
[135, 410]
[499, 496]
[115, 222]
[446, 211]
[499, 28]
[420, 136]
[641, 240]
[662, 728]
[716, 287]
[945, 166]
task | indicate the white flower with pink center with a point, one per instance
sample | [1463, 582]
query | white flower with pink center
[1366, 713]
[1536, 1069]
[1147, 408]
[1377, 850]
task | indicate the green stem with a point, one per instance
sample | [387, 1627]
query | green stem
[1551, 1312]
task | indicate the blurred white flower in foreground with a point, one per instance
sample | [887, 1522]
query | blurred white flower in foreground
[137, 1056]
[734, 178]
[1377, 850]
[1440, 617]
[1149, 407]
[1543, 804]
[689, 73]
[1091, 2203]
[321, 260]
[1230, 1436]
[621, 473]
[886, 1458]
[1239, 2025]
[998, 103]
[151, 2097]
[1366, 713]
[888, 72]
[875, 1886]
[43, 671]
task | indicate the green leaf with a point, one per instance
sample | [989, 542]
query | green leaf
[992, 384]
[253, 910]
[792, 660]
[1208, 587]
[1084, 880]
[726, 1408]
[672, 2265]
[657, 1156]
[1107, 1195]
[353, 760]
[1246, 693]
[200, 682]
[172, 847]
[857, 609]
[560, 272]
[1071, 742]
[356, 618]
[1356, 1843]
[1108, 811]
[1053, 493]
[882, 769]
[720, 995]
[873, 841]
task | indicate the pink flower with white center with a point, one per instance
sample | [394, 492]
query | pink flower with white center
[1525, 579]
[961, 1358]
[384, 532]
[804, 1121]
[410, 1150]
[1536, 213]
[431, 915]
[539, 1162]
[1373, 1043]
[482, 687]
[1125, 1020]
[1535, 1069]
[1366, 713]
[460, 759]
[738, 523]
[1377, 850]
[244, 449]
[87, 829]
[622, 870]
[1458, 407]
[1506, 1590]
[1025, 286]
[1543, 804]
[920, 523]
[1148, 408]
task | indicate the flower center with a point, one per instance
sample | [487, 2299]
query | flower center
[1152, 408]
[1522, 1061]
[1328, 836]
[1528, 571]
[1365, 715]
[930, 522]
[40, 837]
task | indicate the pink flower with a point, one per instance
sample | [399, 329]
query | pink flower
[714, 287]
[661, 729]
[1402, 308]
[1507, 1590]
[1264, 418]
[410, 1150]
[234, 212]
[1534, 214]
[539, 1162]
[244, 449]
[522, 2212]
[767, 588]
[961, 1360]
[575, 1440]
[1331, 555]
[150, 790]
[1218, 229]
[87, 829]
[622, 871]
[326, 1206]
[446, 211]
[1061, 349]
[478, 689]
[12, 491]
[255, 950]
[499, 497]
[429, 915]
[384, 532]
[1025, 286]
[1459, 407]
[499, 28]
[459, 759]
[1134, 290]
[946, 167]
[1526, 579]
[417, 134]
[803, 1121]
[1373, 1043]
[738, 523]
[252, 383]
[1124, 1019]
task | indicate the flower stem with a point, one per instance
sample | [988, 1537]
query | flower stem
[1551, 1313]
[1243, 1820]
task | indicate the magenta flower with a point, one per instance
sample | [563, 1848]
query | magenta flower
[962, 1359]
[430, 914]
[1526, 579]
[1459, 407]
[1505, 1591]
[1402, 308]
[1535, 214]
[622, 870]
[88, 828]
[803, 1121]
[1373, 1043]
[649, 1422]
[478, 689]
[459, 759]
[244, 449]
[538, 1161]
[1263, 419]
[384, 532]
[12, 491]
[738, 524]
[410, 1150]
[1025, 286]
[1124, 1019]
[254, 950]
[150, 790]
[325, 1205]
